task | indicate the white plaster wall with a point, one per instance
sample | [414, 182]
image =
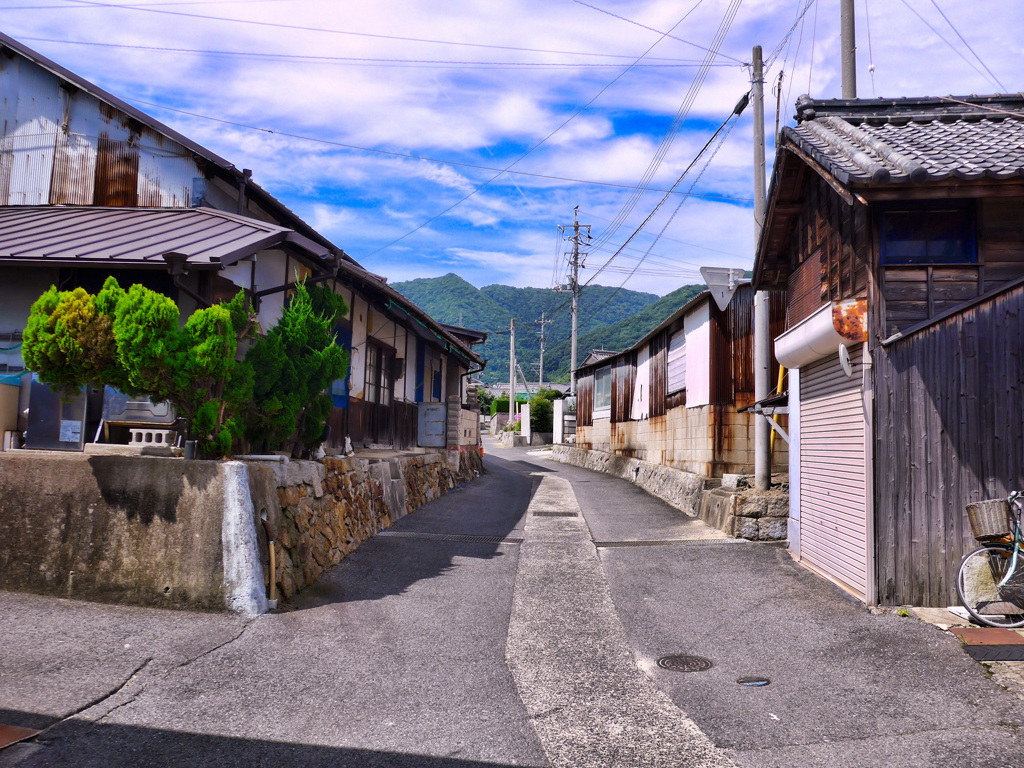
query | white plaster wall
[640, 408]
[271, 268]
[358, 364]
[697, 325]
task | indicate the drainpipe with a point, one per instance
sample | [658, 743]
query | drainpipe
[242, 183]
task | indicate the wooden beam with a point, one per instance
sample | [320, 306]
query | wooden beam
[828, 177]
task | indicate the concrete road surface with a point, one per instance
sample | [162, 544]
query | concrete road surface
[488, 629]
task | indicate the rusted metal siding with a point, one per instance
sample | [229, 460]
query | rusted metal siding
[659, 373]
[585, 400]
[65, 147]
[833, 488]
[623, 377]
[948, 431]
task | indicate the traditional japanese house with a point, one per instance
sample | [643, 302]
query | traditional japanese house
[91, 186]
[675, 397]
[895, 230]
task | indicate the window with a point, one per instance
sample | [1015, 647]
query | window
[603, 391]
[928, 232]
[378, 375]
[677, 362]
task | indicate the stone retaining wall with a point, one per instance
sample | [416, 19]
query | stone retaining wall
[320, 512]
[741, 512]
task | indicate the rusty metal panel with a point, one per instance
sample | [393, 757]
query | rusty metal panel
[623, 377]
[31, 112]
[659, 373]
[166, 172]
[805, 291]
[585, 400]
[117, 173]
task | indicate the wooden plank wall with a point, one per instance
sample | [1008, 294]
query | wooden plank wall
[831, 243]
[658, 367]
[913, 294]
[948, 431]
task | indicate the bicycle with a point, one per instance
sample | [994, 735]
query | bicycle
[990, 581]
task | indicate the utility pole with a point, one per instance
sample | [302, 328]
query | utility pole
[848, 43]
[762, 342]
[575, 262]
[512, 371]
[542, 322]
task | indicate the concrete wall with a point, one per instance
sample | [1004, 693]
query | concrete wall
[169, 533]
[146, 531]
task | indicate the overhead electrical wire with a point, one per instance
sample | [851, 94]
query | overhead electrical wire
[969, 48]
[361, 60]
[323, 30]
[681, 114]
[404, 155]
[536, 146]
[652, 29]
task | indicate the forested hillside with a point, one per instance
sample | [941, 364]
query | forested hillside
[609, 318]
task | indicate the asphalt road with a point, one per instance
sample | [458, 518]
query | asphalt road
[488, 629]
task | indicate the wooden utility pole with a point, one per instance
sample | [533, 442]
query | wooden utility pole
[542, 322]
[849, 47]
[512, 371]
[762, 341]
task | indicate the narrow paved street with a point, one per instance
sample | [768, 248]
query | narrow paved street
[516, 621]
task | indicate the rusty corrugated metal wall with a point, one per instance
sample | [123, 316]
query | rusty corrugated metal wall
[623, 377]
[585, 400]
[62, 146]
[659, 374]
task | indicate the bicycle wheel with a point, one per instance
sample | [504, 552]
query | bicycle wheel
[976, 586]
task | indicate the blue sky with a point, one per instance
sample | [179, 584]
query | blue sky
[482, 83]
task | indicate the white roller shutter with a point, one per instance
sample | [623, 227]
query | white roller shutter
[833, 492]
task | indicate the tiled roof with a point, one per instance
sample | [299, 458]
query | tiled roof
[896, 141]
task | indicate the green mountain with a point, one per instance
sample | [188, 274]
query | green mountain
[609, 317]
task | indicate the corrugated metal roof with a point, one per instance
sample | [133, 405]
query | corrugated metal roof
[136, 236]
[897, 141]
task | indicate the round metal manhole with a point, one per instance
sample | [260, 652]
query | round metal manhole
[685, 663]
[753, 682]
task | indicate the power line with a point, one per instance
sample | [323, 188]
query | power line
[300, 28]
[357, 60]
[540, 143]
[405, 155]
[969, 48]
[956, 50]
[652, 29]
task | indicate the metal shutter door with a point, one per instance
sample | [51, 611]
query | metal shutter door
[833, 495]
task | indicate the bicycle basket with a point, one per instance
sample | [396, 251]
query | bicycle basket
[990, 519]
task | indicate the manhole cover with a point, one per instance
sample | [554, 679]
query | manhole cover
[753, 682]
[685, 663]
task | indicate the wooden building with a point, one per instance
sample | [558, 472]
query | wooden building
[91, 186]
[895, 230]
[675, 397]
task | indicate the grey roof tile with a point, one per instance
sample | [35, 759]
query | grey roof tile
[880, 141]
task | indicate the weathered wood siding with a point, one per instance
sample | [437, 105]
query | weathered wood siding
[914, 294]
[659, 373]
[585, 400]
[948, 430]
[830, 244]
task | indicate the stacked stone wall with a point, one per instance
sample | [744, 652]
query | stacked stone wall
[319, 512]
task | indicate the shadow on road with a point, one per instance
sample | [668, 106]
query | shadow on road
[468, 522]
[87, 745]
